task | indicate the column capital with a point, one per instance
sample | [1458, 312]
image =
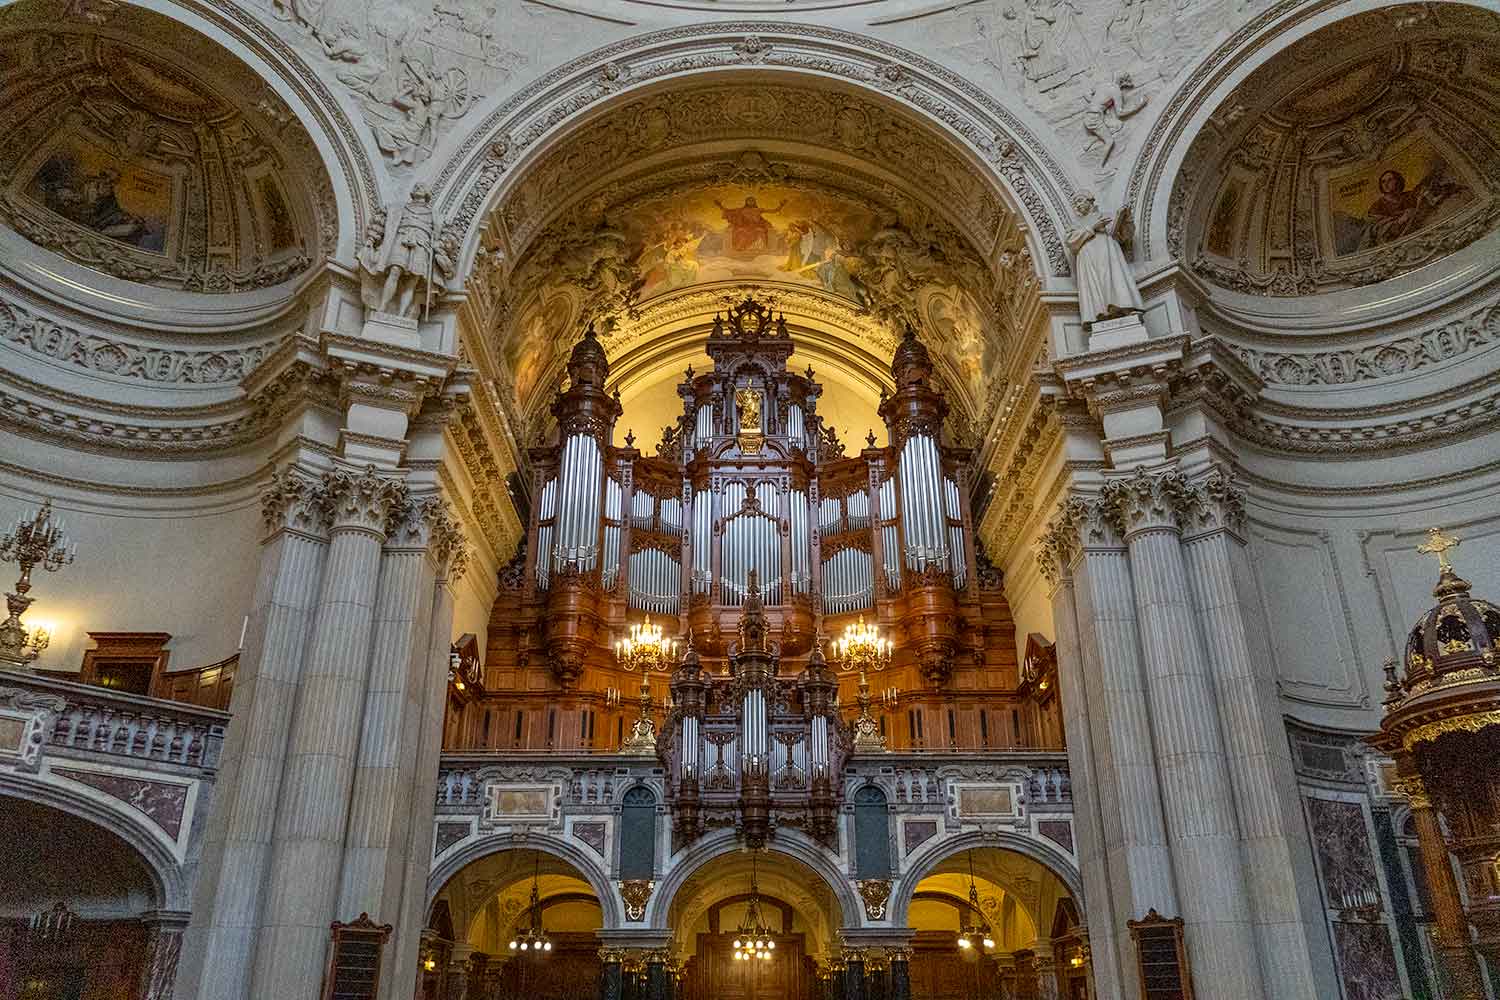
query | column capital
[1214, 502]
[1147, 501]
[293, 501]
[364, 500]
[428, 524]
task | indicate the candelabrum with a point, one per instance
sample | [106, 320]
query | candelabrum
[863, 649]
[752, 939]
[32, 541]
[645, 649]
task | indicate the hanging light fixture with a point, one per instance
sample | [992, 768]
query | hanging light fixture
[974, 931]
[645, 648]
[863, 649]
[52, 923]
[753, 941]
[533, 940]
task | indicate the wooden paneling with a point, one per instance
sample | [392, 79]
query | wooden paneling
[713, 974]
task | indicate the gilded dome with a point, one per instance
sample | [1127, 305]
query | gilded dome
[1459, 634]
[141, 149]
[1363, 151]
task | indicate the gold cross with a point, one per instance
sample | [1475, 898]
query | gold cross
[1438, 545]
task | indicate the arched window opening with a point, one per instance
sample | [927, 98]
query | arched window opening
[638, 833]
[872, 834]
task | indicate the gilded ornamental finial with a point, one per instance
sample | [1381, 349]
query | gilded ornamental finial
[1438, 545]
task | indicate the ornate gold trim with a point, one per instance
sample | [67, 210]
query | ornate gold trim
[1472, 723]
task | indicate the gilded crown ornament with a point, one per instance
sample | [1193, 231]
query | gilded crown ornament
[31, 542]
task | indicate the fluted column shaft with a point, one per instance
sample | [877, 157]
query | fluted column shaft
[219, 947]
[1088, 829]
[854, 978]
[1258, 755]
[1124, 763]
[900, 976]
[405, 659]
[319, 774]
[1194, 775]
[422, 792]
[1046, 971]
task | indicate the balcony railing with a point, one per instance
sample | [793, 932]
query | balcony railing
[96, 722]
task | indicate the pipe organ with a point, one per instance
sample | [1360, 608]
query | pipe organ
[751, 534]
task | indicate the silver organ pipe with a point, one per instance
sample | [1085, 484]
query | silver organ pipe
[829, 520]
[794, 426]
[546, 511]
[579, 489]
[750, 541]
[957, 561]
[613, 499]
[704, 427]
[889, 539]
[801, 543]
[671, 516]
[848, 583]
[754, 738]
[922, 516]
[655, 578]
[703, 516]
[642, 510]
[818, 750]
[858, 505]
[690, 746]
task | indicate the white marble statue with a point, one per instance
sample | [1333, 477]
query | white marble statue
[1106, 285]
[408, 263]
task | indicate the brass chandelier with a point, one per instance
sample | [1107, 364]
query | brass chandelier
[753, 941]
[974, 931]
[533, 940]
[645, 648]
[35, 541]
[863, 649]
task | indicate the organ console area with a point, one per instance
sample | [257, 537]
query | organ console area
[750, 516]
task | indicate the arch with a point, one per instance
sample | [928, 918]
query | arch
[345, 146]
[926, 860]
[794, 844]
[172, 890]
[563, 850]
[1004, 147]
[1158, 151]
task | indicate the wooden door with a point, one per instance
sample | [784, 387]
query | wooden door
[713, 974]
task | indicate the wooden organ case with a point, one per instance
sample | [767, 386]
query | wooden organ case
[752, 532]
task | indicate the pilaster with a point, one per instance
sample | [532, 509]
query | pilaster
[319, 770]
[1191, 766]
[1256, 750]
[1134, 872]
[219, 946]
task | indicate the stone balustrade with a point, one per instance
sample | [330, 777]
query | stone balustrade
[78, 720]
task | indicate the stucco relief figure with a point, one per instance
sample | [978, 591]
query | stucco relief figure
[1106, 285]
[410, 265]
[1105, 109]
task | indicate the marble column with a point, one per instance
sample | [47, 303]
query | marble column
[658, 977]
[456, 980]
[390, 743]
[1284, 891]
[319, 774]
[1135, 872]
[1058, 549]
[229, 894]
[900, 979]
[1197, 798]
[1046, 970]
[854, 975]
[877, 978]
[432, 691]
[1458, 963]
[611, 986]
[163, 951]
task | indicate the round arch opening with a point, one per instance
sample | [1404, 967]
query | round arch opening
[78, 909]
[712, 909]
[492, 906]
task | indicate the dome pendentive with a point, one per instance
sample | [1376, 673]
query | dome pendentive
[1355, 155]
[144, 150]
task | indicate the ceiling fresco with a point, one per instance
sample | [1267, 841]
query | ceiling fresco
[124, 156]
[1355, 155]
